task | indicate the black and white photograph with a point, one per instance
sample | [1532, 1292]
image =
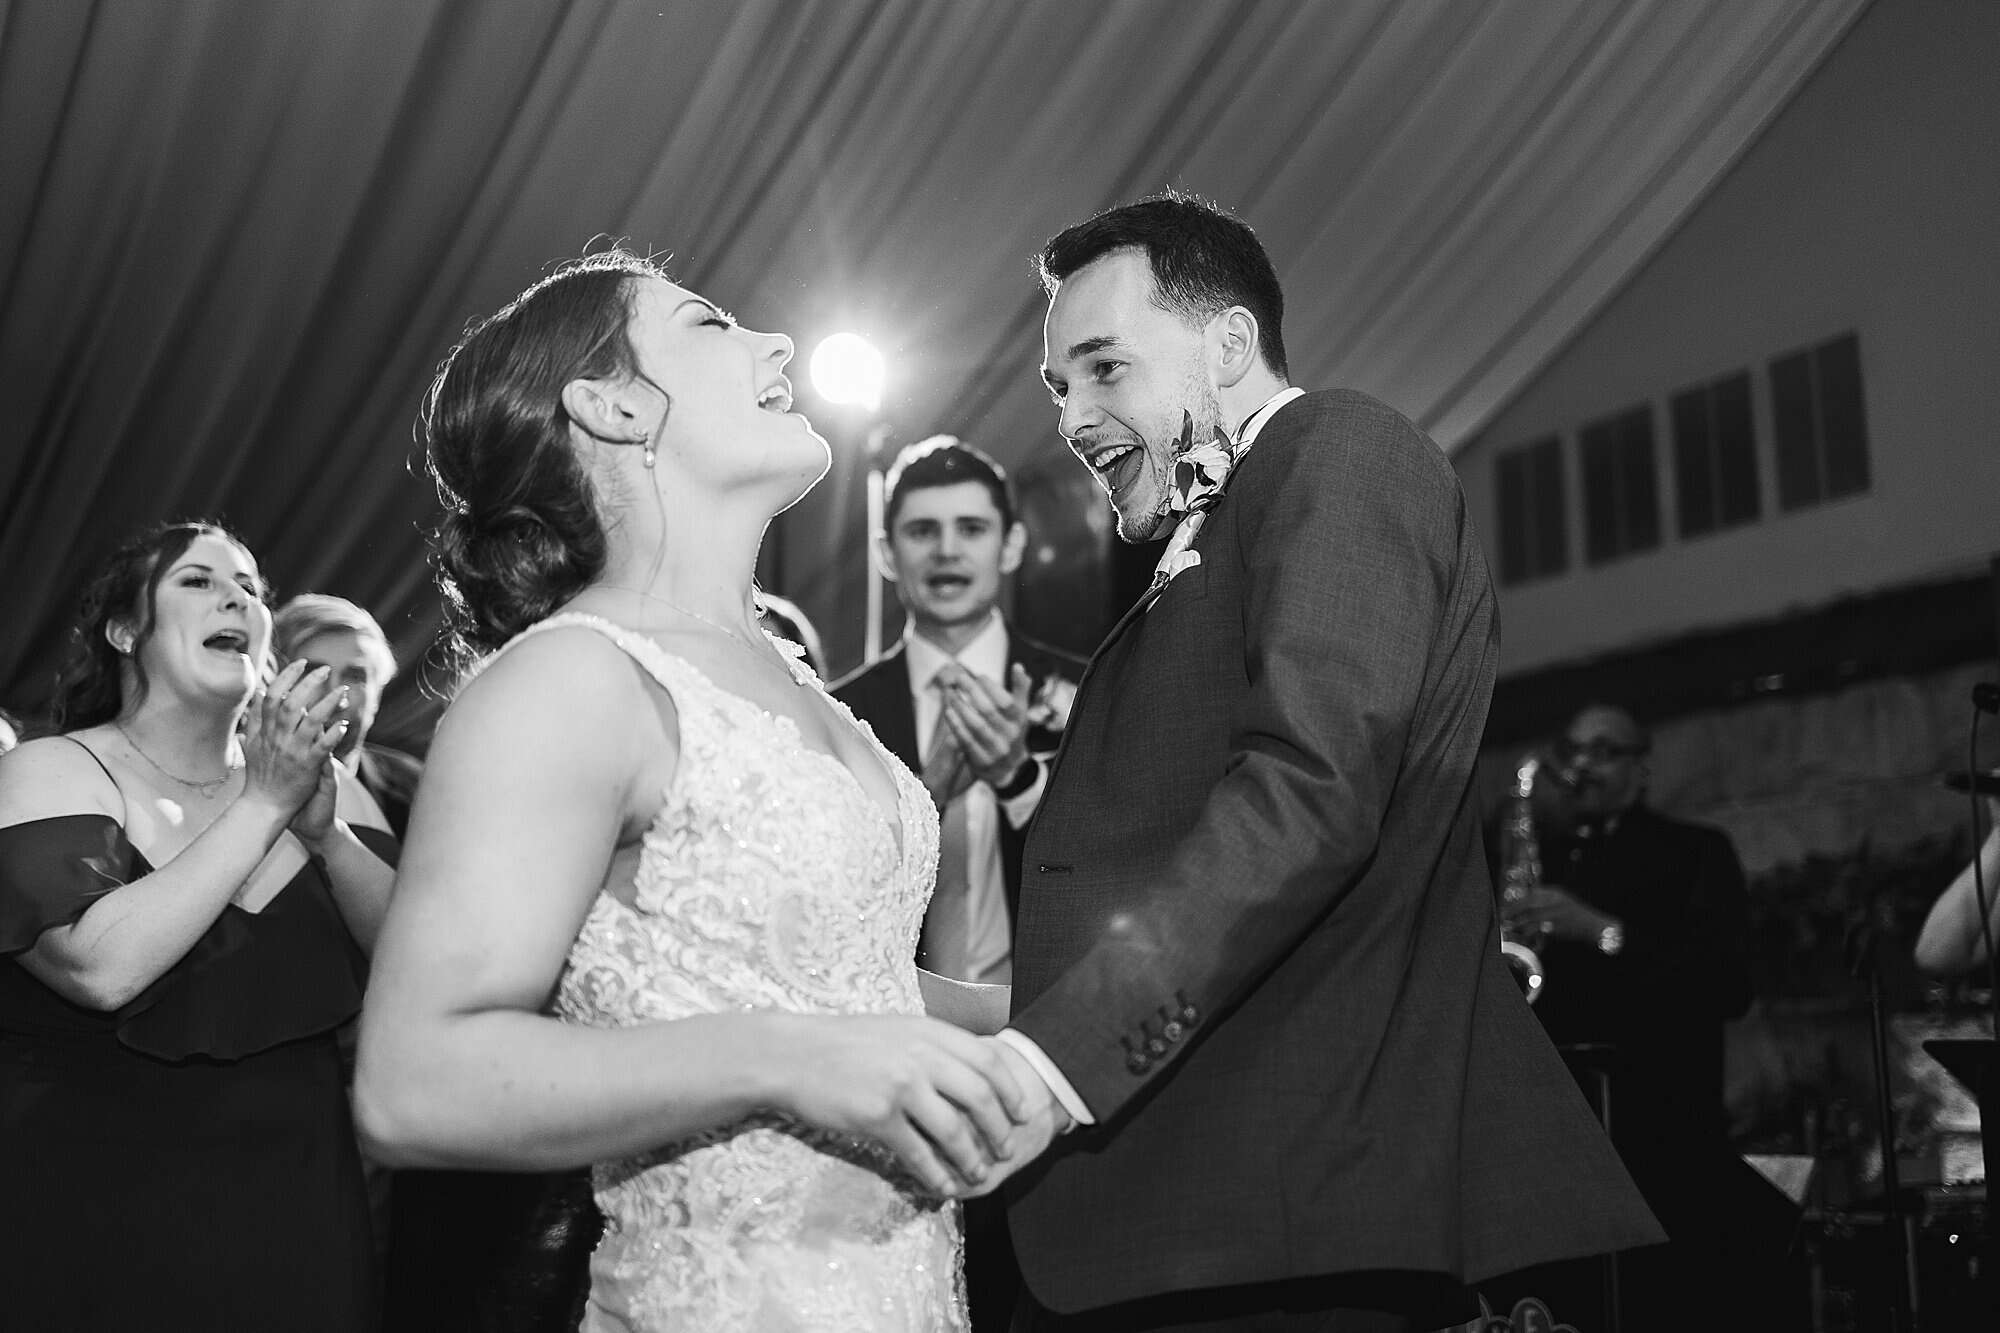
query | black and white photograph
[999, 666]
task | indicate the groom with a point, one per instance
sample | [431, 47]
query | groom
[1257, 958]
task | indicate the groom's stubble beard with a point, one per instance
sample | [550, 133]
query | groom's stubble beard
[1203, 407]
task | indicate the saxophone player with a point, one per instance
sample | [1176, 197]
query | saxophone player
[1643, 923]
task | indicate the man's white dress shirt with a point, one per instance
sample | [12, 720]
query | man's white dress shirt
[989, 948]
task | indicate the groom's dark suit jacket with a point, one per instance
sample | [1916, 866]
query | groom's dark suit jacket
[879, 694]
[1257, 928]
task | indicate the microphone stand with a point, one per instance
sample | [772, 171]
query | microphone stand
[1985, 699]
[1864, 943]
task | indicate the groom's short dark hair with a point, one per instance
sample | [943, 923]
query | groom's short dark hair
[1203, 260]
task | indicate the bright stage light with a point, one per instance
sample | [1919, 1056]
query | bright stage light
[846, 368]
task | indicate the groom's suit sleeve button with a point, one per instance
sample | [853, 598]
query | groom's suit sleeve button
[1145, 1048]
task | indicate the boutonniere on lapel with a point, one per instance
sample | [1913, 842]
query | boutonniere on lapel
[1200, 470]
[1200, 473]
[1049, 709]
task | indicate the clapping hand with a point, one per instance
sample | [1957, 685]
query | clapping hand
[315, 818]
[288, 742]
[946, 773]
[989, 724]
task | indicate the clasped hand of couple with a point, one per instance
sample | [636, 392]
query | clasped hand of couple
[962, 1112]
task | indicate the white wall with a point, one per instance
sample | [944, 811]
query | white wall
[1871, 203]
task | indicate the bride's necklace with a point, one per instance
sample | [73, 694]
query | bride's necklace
[762, 655]
[207, 789]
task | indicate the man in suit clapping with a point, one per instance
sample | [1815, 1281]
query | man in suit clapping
[977, 708]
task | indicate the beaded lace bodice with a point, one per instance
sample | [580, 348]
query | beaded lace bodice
[769, 879]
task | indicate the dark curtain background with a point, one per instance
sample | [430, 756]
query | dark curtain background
[237, 236]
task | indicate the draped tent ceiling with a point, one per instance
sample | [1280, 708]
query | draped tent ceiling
[237, 236]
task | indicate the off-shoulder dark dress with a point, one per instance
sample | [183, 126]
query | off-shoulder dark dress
[187, 1162]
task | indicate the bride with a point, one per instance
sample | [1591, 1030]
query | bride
[661, 894]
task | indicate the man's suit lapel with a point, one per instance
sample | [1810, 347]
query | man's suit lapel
[1107, 648]
[1134, 611]
[896, 712]
[1022, 654]
[1091, 669]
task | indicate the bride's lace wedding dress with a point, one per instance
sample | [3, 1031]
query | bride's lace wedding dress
[769, 879]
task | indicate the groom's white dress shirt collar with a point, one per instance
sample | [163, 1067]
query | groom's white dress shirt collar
[1253, 423]
[1179, 555]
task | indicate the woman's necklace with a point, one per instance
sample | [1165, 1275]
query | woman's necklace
[762, 655]
[207, 789]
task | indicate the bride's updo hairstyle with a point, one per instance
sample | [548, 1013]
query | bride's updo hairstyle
[520, 534]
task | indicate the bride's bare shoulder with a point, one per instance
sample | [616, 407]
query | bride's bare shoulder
[567, 681]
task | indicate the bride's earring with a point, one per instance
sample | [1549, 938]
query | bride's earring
[646, 440]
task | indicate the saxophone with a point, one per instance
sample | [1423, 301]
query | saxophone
[1520, 872]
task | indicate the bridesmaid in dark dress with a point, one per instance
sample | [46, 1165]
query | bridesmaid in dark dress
[184, 915]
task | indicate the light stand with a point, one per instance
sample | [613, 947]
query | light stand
[871, 636]
[846, 369]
